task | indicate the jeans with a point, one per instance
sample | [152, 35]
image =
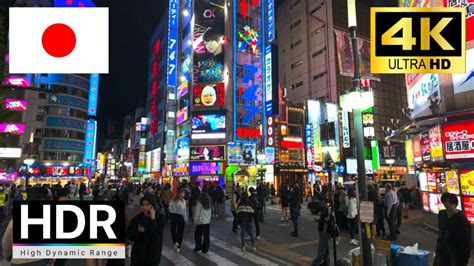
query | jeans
[391, 221]
[352, 226]
[399, 216]
[234, 223]
[257, 224]
[323, 250]
[380, 226]
[295, 213]
[177, 228]
[220, 209]
[246, 228]
[201, 237]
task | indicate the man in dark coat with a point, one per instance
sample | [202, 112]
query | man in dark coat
[295, 206]
[146, 232]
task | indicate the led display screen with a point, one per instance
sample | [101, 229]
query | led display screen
[181, 150]
[209, 95]
[467, 182]
[423, 179]
[206, 168]
[208, 126]
[208, 153]
[425, 146]
[209, 40]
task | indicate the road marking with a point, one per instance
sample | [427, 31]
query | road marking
[263, 254]
[237, 251]
[175, 258]
[211, 256]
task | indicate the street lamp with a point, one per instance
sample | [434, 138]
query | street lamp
[359, 100]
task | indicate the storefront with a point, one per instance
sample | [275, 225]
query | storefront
[52, 174]
[391, 172]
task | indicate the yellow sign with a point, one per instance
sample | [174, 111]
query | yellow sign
[467, 182]
[452, 183]
[417, 40]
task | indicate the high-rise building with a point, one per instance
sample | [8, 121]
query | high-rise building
[316, 63]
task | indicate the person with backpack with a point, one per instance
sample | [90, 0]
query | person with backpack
[245, 214]
[236, 195]
[325, 229]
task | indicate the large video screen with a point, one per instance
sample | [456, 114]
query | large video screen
[209, 41]
[208, 153]
[208, 95]
[208, 126]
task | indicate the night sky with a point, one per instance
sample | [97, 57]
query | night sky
[131, 24]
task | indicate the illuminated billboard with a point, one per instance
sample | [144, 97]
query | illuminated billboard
[17, 81]
[54, 121]
[181, 149]
[73, 3]
[241, 153]
[209, 95]
[268, 80]
[11, 128]
[14, 105]
[206, 168]
[182, 89]
[68, 145]
[172, 63]
[208, 126]
[182, 115]
[208, 153]
[208, 41]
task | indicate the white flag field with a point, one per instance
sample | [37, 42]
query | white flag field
[59, 40]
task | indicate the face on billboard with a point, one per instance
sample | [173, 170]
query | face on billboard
[248, 153]
[207, 153]
[181, 150]
[209, 40]
[209, 95]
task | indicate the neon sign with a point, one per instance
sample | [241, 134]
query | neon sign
[250, 40]
[268, 80]
[270, 20]
[248, 132]
[17, 81]
[14, 129]
[73, 3]
[89, 149]
[156, 76]
[93, 94]
[172, 61]
[309, 146]
[14, 105]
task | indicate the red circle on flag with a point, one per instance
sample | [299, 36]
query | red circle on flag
[59, 40]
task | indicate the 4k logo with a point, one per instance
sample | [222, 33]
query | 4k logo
[418, 40]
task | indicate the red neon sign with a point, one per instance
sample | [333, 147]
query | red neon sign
[248, 132]
[291, 144]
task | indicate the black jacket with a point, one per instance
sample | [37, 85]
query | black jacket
[254, 199]
[295, 198]
[147, 246]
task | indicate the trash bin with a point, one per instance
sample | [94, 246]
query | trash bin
[394, 250]
[413, 259]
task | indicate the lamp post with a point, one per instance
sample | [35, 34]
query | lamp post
[358, 98]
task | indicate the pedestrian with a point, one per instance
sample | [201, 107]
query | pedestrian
[3, 202]
[285, 201]
[257, 206]
[341, 217]
[261, 194]
[317, 190]
[400, 207]
[391, 205]
[351, 202]
[406, 193]
[273, 193]
[166, 196]
[202, 223]
[220, 201]
[82, 191]
[295, 206]
[193, 199]
[146, 232]
[375, 198]
[325, 225]
[236, 195]
[453, 246]
[379, 215]
[245, 214]
[178, 217]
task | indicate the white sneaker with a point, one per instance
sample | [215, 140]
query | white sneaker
[176, 246]
[254, 248]
[178, 250]
[258, 237]
[243, 248]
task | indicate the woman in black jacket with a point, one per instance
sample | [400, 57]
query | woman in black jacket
[146, 232]
[245, 213]
[285, 201]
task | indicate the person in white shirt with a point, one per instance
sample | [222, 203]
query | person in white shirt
[202, 223]
[178, 217]
[351, 203]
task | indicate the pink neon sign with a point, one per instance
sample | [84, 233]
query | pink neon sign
[15, 105]
[10, 128]
[17, 81]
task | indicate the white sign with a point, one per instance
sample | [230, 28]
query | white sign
[465, 82]
[268, 80]
[351, 165]
[420, 92]
[10, 152]
[346, 138]
[366, 211]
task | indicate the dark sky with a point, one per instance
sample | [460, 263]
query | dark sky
[131, 23]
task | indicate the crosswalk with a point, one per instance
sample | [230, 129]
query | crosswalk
[220, 253]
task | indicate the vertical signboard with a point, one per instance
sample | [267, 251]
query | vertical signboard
[172, 62]
[270, 131]
[309, 146]
[156, 76]
[268, 80]
[374, 144]
[89, 147]
[346, 137]
[93, 94]
[409, 152]
[248, 45]
[270, 20]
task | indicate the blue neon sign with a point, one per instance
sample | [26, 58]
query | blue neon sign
[172, 60]
[64, 122]
[270, 20]
[64, 145]
[268, 80]
[89, 147]
[93, 94]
